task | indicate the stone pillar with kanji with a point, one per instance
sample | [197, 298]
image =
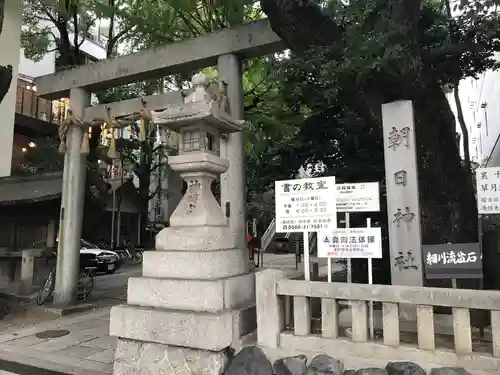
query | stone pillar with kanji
[403, 207]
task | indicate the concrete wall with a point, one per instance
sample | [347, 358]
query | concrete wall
[10, 42]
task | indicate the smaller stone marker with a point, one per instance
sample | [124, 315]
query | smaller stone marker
[453, 261]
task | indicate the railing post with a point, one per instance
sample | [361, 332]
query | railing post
[270, 313]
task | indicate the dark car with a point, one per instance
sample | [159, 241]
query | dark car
[279, 245]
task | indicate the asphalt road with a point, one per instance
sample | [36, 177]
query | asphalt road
[112, 289]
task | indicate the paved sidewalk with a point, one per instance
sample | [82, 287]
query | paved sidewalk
[87, 349]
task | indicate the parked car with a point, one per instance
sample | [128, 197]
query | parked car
[105, 260]
[279, 245]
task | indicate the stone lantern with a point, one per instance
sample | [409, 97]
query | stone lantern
[196, 296]
[200, 123]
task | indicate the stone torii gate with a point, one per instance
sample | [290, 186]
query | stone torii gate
[226, 49]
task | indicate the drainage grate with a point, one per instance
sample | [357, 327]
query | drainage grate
[52, 334]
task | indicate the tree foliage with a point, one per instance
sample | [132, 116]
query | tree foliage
[362, 54]
[64, 25]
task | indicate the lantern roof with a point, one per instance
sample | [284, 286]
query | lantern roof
[199, 106]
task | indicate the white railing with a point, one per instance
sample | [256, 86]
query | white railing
[312, 240]
[296, 316]
[268, 235]
[270, 232]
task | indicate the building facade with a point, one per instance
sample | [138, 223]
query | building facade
[480, 99]
[29, 120]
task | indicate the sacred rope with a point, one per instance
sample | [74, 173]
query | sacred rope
[111, 123]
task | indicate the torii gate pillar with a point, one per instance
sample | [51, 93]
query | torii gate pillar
[233, 181]
[71, 215]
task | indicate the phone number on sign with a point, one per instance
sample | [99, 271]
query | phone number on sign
[305, 227]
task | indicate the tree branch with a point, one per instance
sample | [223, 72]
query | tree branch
[155, 192]
[119, 35]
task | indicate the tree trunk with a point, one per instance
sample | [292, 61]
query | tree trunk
[448, 206]
[144, 187]
[463, 126]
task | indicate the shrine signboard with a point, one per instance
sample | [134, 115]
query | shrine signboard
[350, 243]
[358, 197]
[306, 205]
[402, 193]
[453, 261]
[488, 190]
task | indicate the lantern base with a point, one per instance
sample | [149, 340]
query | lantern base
[138, 357]
[206, 238]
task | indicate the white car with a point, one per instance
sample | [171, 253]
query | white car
[105, 260]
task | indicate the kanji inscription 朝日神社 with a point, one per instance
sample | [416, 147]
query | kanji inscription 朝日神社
[402, 193]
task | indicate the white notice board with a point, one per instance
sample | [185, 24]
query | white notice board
[488, 190]
[306, 205]
[350, 243]
[359, 197]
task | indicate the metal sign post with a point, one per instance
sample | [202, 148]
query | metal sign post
[329, 269]
[355, 197]
[348, 243]
[349, 263]
[370, 282]
[307, 270]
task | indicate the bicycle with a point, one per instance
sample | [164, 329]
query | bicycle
[134, 256]
[86, 283]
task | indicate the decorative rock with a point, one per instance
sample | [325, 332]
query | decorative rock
[371, 371]
[325, 365]
[450, 371]
[251, 360]
[291, 365]
[404, 368]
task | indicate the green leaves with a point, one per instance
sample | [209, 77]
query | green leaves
[36, 43]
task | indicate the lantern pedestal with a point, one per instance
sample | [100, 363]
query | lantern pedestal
[196, 296]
